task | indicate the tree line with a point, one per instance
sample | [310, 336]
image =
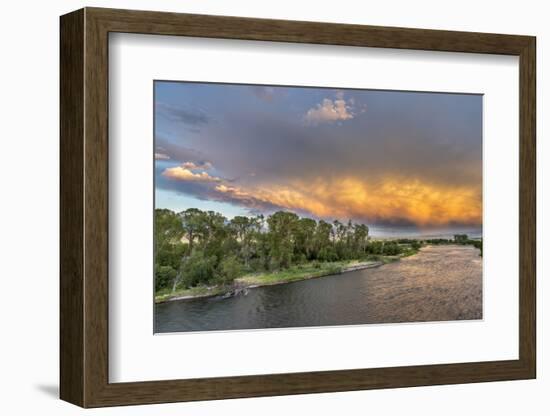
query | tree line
[195, 247]
[461, 239]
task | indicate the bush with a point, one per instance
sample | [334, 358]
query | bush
[391, 248]
[198, 269]
[315, 264]
[229, 270]
[415, 245]
[300, 258]
[461, 238]
[328, 254]
[334, 270]
[164, 276]
[375, 247]
[437, 241]
[256, 265]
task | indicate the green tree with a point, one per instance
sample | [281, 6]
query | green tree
[322, 238]
[281, 232]
[391, 248]
[192, 221]
[304, 236]
[212, 228]
[461, 238]
[168, 247]
[245, 230]
[217, 251]
[360, 238]
[164, 276]
[375, 247]
[168, 228]
[198, 269]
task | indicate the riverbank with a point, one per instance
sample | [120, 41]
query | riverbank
[440, 283]
[293, 274]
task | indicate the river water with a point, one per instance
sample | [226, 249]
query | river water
[440, 283]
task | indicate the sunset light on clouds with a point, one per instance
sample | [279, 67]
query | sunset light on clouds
[378, 157]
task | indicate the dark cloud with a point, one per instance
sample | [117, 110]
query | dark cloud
[192, 116]
[276, 149]
[411, 158]
[178, 153]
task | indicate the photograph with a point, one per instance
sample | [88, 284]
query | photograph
[279, 205]
[282, 206]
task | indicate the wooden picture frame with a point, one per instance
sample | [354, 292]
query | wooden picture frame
[84, 207]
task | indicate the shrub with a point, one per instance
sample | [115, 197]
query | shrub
[461, 238]
[391, 248]
[229, 270]
[334, 269]
[198, 269]
[415, 245]
[164, 276]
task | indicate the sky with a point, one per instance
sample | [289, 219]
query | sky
[393, 160]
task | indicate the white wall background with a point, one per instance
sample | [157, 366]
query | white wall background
[29, 83]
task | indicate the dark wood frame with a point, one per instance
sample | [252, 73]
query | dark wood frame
[84, 208]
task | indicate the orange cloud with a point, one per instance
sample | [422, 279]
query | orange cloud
[386, 200]
[182, 173]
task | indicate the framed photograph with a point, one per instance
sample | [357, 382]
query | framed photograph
[255, 207]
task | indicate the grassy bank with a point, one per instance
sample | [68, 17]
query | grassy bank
[292, 274]
[193, 292]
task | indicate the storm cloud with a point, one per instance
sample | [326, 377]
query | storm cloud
[382, 157]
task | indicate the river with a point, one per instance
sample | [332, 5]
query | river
[440, 283]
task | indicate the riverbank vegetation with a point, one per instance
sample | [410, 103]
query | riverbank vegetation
[294, 273]
[202, 252]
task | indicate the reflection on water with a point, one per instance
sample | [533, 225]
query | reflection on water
[440, 283]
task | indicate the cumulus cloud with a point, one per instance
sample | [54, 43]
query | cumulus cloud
[181, 173]
[197, 165]
[329, 111]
